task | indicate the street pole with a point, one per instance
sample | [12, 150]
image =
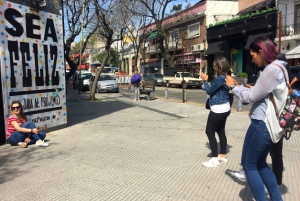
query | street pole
[182, 46]
[81, 40]
[279, 31]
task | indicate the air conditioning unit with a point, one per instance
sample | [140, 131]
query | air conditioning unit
[194, 48]
[200, 46]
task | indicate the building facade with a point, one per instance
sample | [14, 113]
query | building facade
[231, 37]
[186, 37]
[290, 30]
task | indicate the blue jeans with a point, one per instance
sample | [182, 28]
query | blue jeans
[137, 92]
[256, 147]
[17, 137]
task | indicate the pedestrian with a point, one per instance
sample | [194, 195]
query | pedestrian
[264, 129]
[135, 80]
[219, 103]
[276, 149]
[20, 131]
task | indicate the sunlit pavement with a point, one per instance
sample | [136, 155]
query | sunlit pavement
[121, 149]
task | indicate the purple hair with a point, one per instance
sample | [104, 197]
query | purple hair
[267, 47]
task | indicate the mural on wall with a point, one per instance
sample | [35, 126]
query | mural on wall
[236, 57]
[32, 60]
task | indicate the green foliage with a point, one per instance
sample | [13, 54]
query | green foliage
[244, 75]
[113, 58]
[263, 11]
[176, 8]
[211, 25]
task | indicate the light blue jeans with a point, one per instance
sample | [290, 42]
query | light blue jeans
[137, 92]
[17, 137]
[256, 147]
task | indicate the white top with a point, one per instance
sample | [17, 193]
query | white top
[220, 108]
[270, 80]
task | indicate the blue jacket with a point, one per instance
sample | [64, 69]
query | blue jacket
[136, 78]
[218, 91]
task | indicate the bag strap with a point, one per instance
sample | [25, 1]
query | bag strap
[271, 96]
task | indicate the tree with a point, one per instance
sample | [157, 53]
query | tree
[113, 57]
[156, 11]
[74, 21]
[176, 8]
[107, 29]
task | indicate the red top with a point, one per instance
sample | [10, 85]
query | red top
[10, 128]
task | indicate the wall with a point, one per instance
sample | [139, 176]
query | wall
[32, 62]
[217, 11]
[288, 12]
[247, 3]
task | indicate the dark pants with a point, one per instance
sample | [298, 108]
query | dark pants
[277, 161]
[216, 123]
[17, 137]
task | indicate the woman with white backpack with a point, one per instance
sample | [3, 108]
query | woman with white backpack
[264, 129]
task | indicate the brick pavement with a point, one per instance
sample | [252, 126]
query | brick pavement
[118, 149]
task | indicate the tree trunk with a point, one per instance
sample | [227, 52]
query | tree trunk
[98, 72]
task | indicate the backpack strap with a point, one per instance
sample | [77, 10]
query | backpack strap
[289, 89]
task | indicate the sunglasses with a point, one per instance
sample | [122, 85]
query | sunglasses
[14, 108]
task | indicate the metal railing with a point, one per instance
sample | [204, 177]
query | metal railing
[290, 30]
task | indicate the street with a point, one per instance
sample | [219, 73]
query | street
[193, 95]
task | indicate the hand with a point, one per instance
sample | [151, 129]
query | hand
[35, 131]
[204, 76]
[248, 86]
[27, 140]
[230, 81]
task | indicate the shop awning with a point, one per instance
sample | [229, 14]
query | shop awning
[294, 53]
[214, 47]
[251, 38]
[152, 35]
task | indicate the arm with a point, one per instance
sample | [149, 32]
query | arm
[266, 83]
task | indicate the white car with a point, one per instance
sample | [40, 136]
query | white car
[106, 83]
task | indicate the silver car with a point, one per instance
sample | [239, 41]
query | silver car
[106, 83]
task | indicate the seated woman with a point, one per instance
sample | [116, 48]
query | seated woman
[21, 130]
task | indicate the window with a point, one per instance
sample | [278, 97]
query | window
[177, 75]
[173, 36]
[194, 30]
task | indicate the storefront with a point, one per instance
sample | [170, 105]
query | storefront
[232, 40]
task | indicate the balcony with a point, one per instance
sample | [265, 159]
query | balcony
[172, 46]
[152, 49]
[289, 32]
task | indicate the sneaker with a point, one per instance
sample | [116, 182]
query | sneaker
[222, 160]
[240, 175]
[211, 163]
[22, 144]
[42, 144]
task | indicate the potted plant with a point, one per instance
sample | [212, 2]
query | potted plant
[245, 77]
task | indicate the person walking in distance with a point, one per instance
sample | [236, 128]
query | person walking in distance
[219, 103]
[264, 129]
[135, 80]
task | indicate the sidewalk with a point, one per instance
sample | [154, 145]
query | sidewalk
[119, 149]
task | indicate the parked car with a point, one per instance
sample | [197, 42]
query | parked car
[106, 83]
[184, 79]
[158, 79]
[296, 72]
[84, 76]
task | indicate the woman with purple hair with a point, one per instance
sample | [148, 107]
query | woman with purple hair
[264, 129]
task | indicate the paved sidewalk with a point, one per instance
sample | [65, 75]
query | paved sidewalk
[119, 149]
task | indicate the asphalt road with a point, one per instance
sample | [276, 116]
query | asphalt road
[193, 95]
